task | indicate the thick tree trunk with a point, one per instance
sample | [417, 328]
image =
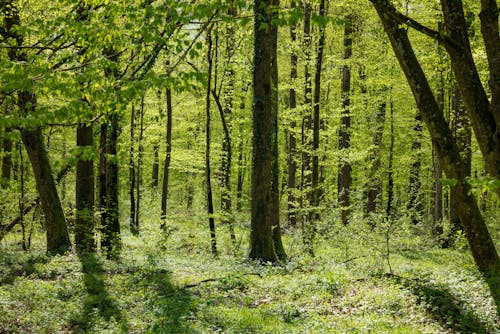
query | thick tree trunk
[460, 128]
[84, 222]
[57, 233]
[481, 244]
[484, 116]
[111, 240]
[261, 235]
[344, 143]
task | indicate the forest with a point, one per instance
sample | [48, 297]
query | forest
[266, 166]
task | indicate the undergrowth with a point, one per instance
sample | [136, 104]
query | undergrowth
[167, 282]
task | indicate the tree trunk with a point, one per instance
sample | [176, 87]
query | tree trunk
[390, 166]
[111, 240]
[132, 177]
[344, 144]
[57, 233]
[261, 235]
[140, 154]
[476, 230]
[166, 166]
[275, 190]
[84, 222]
[414, 206]
[155, 169]
[314, 213]
[210, 203]
[374, 191]
[7, 155]
[292, 139]
[461, 131]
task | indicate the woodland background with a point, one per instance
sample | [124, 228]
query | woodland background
[128, 144]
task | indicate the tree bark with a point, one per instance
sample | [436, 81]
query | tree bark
[275, 190]
[155, 169]
[261, 235]
[292, 139]
[210, 203]
[415, 204]
[344, 174]
[166, 165]
[132, 175]
[84, 190]
[314, 213]
[460, 128]
[7, 155]
[390, 165]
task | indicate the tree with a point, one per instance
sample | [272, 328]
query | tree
[344, 179]
[482, 246]
[57, 234]
[261, 234]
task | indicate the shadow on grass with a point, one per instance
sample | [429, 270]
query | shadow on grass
[97, 302]
[443, 306]
[13, 266]
[172, 306]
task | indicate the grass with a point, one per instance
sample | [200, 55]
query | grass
[169, 283]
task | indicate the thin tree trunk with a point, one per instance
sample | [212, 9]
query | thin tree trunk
[314, 213]
[275, 190]
[414, 185]
[132, 223]
[7, 155]
[241, 158]
[344, 144]
[155, 169]
[140, 154]
[374, 192]
[292, 140]
[390, 166]
[210, 204]
[166, 166]
[306, 177]
[226, 115]
[22, 197]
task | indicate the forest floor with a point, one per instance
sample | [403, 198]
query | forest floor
[360, 281]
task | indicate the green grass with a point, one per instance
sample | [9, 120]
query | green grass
[169, 283]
